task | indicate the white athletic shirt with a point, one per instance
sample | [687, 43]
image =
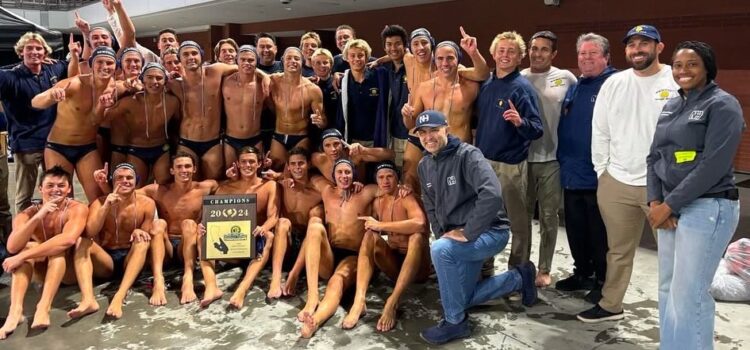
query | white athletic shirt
[550, 88]
[625, 115]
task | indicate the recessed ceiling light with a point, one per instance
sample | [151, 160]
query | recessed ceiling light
[288, 8]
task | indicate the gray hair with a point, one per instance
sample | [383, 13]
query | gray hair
[597, 39]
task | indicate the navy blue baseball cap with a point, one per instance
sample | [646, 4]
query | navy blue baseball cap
[645, 30]
[430, 119]
[332, 132]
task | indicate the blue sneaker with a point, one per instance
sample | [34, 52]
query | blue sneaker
[528, 286]
[445, 332]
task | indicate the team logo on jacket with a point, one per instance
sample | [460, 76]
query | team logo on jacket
[451, 180]
[557, 82]
[664, 94]
[593, 98]
[333, 95]
[53, 80]
[696, 115]
[374, 92]
[500, 103]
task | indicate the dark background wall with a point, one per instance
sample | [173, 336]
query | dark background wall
[725, 24]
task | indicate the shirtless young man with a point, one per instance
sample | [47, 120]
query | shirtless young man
[118, 238]
[72, 141]
[300, 201]
[145, 117]
[447, 91]
[331, 250]
[113, 142]
[225, 51]
[297, 102]
[419, 69]
[99, 36]
[247, 182]
[403, 258]
[180, 204]
[200, 95]
[131, 63]
[43, 234]
[243, 104]
[334, 148]
[170, 58]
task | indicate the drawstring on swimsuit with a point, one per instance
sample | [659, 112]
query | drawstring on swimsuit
[255, 96]
[164, 109]
[203, 97]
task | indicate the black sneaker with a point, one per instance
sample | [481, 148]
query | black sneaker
[574, 283]
[596, 314]
[594, 295]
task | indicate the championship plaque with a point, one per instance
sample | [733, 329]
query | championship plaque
[229, 222]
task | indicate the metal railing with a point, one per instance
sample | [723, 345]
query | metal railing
[53, 5]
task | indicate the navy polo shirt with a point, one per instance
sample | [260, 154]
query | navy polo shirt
[28, 127]
[498, 139]
[307, 71]
[363, 105]
[275, 67]
[399, 95]
[339, 65]
[331, 99]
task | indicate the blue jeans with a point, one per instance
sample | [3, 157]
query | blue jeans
[458, 266]
[688, 258]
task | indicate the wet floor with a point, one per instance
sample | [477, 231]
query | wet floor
[551, 324]
[503, 324]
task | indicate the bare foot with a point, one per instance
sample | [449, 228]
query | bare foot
[237, 300]
[355, 313]
[543, 280]
[13, 320]
[84, 308]
[41, 319]
[312, 304]
[289, 288]
[158, 294]
[388, 319]
[188, 293]
[274, 291]
[309, 327]
[210, 296]
[115, 308]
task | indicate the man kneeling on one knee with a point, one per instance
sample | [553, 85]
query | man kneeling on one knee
[464, 205]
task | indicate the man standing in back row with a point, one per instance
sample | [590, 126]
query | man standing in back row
[509, 120]
[625, 115]
[587, 236]
[550, 84]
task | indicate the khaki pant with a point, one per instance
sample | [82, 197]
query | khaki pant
[623, 208]
[544, 186]
[398, 146]
[513, 180]
[5, 217]
[27, 173]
